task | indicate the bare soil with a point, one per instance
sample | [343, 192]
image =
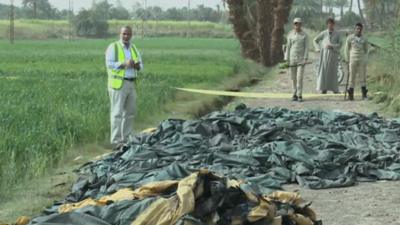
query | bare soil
[374, 203]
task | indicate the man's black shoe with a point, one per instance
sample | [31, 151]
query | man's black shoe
[121, 148]
[295, 98]
[351, 94]
[364, 91]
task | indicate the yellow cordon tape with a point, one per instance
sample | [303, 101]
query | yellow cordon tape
[255, 94]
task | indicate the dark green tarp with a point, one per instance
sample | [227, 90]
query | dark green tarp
[267, 147]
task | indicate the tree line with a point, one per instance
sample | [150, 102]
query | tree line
[42, 9]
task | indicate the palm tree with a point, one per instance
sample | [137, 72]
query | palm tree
[351, 6]
[306, 9]
[329, 4]
[264, 27]
[247, 39]
[32, 4]
[281, 15]
[259, 26]
[341, 4]
[361, 11]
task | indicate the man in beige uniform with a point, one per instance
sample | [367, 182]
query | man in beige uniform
[296, 55]
[123, 61]
[356, 51]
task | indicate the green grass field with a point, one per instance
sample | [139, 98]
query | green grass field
[44, 29]
[54, 94]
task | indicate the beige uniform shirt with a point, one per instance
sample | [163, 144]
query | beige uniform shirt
[356, 48]
[296, 47]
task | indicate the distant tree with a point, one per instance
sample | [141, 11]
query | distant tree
[349, 19]
[329, 5]
[351, 6]
[202, 13]
[175, 14]
[360, 11]
[101, 9]
[31, 4]
[155, 13]
[118, 13]
[91, 23]
[64, 14]
[5, 11]
[307, 10]
[40, 9]
[341, 4]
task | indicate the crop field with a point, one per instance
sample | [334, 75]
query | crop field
[54, 94]
[44, 29]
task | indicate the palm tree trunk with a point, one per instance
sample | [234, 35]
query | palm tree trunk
[322, 9]
[247, 39]
[341, 11]
[361, 12]
[351, 6]
[281, 15]
[265, 24]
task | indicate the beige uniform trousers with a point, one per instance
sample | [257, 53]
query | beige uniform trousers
[358, 68]
[123, 107]
[297, 75]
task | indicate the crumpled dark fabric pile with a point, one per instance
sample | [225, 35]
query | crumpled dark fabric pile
[202, 198]
[267, 147]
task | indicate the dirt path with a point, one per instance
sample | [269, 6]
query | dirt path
[365, 204]
[283, 84]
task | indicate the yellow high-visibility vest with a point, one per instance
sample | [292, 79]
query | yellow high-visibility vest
[116, 76]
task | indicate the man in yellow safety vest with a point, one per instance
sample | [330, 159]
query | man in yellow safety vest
[123, 61]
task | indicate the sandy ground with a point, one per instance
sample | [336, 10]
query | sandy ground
[364, 204]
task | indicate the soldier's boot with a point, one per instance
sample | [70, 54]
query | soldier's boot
[351, 94]
[364, 91]
[300, 98]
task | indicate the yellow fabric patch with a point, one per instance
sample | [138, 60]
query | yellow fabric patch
[301, 220]
[286, 197]
[264, 210]
[169, 211]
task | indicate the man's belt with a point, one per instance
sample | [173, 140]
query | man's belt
[129, 79]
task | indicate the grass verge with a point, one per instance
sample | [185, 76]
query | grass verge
[202, 64]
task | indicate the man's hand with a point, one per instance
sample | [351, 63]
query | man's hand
[136, 66]
[129, 64]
